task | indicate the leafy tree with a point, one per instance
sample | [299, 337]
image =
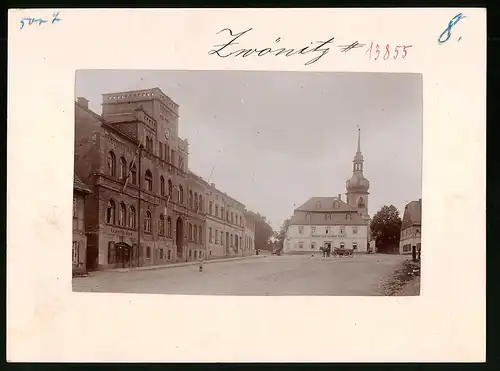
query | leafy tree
[263, 231]
[386, 228]
[280, 235]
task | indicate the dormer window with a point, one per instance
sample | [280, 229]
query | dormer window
[336, 204]
[348, 216]
[308, 216]
[318, 205]
[328, 216]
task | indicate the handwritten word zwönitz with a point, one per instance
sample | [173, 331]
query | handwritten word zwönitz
[445, 36]
[29, 21]
[227, 49]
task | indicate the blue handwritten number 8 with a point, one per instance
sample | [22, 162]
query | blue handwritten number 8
[451, 24]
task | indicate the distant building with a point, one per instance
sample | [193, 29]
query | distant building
[249, 236]
[79, 250]
[331, 222]
[411, 228]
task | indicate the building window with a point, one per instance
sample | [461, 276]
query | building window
[160, 144]
[190, 231]
[195, 201]
[342, 230]
[195, 253]
[162, 225]
[74, 206]
[301, 229]
[162, 185]
[161, 251]
[133, 173]
[190, 199]
[110, 212]
[111, 164]
[216, 236]
[148, 252]
[149, 180]
[195, 233]
[170, 188]
[354, 245]
[123, 168]
[308, 216]
[313, 229]
[200, 203]
[190, 254]
[169, 256]
[313, 245]
[328, 216]
[181, 163]
[180, 195]
[169, 227]
[75, 252]
[336, 204]
[354, 230]
[327, 230]
[227, 215]
[318, 205]
[348, 216]
[147, 222]
[122, 215]
[172, 153]
[131, 217]
[200, 235]
[342, 245]
[210, 207]
[216, 210]
[210, 235]
[232, 217]
[301, 245]
[361, 203]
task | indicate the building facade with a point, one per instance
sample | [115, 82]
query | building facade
[331, 222]
[136, 165]
[411, 228]
[79, 248]
[248, 235]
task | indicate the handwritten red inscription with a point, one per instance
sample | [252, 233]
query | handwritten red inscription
[375, 51]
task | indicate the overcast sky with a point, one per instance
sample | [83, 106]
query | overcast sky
[278, 138]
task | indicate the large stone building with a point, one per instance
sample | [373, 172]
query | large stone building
[332, 222]
[411, 228]
[146, 207]
[79, 248]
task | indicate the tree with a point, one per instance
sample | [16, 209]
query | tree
[263, 231]
[386, 228]
[280, 235]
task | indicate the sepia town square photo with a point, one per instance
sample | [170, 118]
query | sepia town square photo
[247, 183]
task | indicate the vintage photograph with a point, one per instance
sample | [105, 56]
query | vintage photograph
[247, 183]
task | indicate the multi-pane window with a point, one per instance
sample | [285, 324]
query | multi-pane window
[301, 229]
[110, 212]
[111, 164]
[210, 235]
[162, 225]
[210, 207]
[147, 222]
[162, 185]
[169, 227]
[200, 203]
[131, 217]
[313, 229]
[170, 188]
[200, 235]
[122, 215]
[123, 168]
[180, 195]
[133, 174]
[149, 180]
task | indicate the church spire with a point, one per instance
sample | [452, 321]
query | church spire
[359, 140]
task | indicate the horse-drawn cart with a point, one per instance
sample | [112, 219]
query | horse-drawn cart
[343, 252]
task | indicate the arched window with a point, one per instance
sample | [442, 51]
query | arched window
[190, 231]
[200, 235]
[169, 227]
[162, 225]
[110, 212]
[361, 203]
[131, 217]
[195, 233]
[122, 215]
[149, 180]
[172, 154]
[181, 195]
[123, 168]
[167, 153]
[200, 203]
[190, 199]
[162, 185]
[210, 207]
[147, 222]
[170, 188]
[149, 143]
[348, 216]
[133, 174]
[111, 164]
[196, 201]
[181, 163]
[328, 216]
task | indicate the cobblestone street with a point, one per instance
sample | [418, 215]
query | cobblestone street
[266, 275]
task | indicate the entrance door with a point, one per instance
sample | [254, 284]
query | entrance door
[179, 236]
[123, 254]
[92, 257]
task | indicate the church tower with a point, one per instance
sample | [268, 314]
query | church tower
[357, 187]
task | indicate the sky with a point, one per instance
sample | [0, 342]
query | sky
[276, 139]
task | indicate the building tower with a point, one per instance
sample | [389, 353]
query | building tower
[357, 187]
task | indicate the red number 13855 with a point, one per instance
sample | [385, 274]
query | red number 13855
[376, 52]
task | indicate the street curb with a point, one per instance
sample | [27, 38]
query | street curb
[174, 265]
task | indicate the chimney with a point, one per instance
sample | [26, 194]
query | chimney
[212, 185]
[340, 197]
[82, 102]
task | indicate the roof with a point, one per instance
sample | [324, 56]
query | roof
[412, 214]
[326, 211]
[78, 185]
[324, 204]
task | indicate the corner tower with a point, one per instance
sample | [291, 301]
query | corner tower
[357, 187]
